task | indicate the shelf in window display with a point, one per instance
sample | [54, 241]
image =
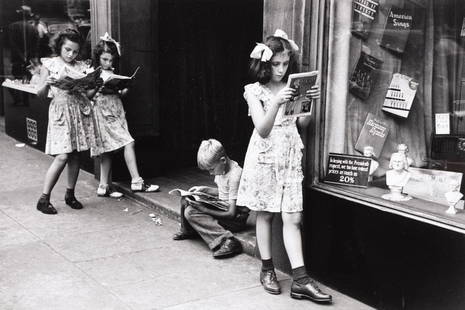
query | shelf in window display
[416, 209]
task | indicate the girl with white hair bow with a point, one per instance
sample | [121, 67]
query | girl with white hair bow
[272, 176]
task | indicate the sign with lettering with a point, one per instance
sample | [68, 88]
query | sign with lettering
[431, 184]
[351, 170]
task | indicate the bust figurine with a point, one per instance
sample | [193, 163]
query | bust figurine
[403, 148]
[368, 152]
[397, 177]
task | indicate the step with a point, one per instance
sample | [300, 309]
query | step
[169, 205]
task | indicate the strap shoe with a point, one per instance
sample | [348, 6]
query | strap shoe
[309, 291]
[270, 282]
[46, 207]
[73, 203]
[139, 185]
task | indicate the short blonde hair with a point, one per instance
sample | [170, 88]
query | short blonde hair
[210, 151]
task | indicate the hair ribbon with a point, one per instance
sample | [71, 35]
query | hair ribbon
[281, 34]
[262, 52]
[107, 38]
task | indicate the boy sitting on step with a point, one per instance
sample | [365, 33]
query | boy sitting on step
[213, 225]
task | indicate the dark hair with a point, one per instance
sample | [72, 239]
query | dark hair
[59, 39]
[261, 70]
[105, 47]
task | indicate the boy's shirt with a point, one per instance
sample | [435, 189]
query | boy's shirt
[228, 183]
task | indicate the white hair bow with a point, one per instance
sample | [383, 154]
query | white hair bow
[107, 38]
[262, 52]
[281, 34]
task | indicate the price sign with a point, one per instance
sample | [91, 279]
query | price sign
[350, 170]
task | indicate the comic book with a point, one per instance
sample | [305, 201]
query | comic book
[300, 105]
[204, 198]
[117, 81]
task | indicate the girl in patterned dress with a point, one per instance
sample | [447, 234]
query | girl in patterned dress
[70, 118]
[272, 176]
[111, 122]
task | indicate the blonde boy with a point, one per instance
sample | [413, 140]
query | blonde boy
[215, 226]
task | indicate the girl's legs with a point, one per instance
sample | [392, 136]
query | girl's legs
[302, 285]
[51, 178]
[105, 188]
[263, 230]
[73, 173]
[293, 238]
[73, 169]
[105, 167]
[54, 172]
[131, 161]
[137, 183]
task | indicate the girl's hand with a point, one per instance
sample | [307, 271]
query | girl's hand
[123, 92]
[51, 81]
[313, 93]
[284, 95]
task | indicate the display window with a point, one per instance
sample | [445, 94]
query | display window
[27, 30]
[392, 114]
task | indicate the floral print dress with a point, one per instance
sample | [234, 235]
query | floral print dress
[71, 124]
[272, 174]
[111, 121]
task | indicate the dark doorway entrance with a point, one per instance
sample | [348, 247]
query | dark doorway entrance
[204, 53]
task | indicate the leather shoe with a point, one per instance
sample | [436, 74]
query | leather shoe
[182, 235]
[46, 207]
[229, 248]
[73, 203]
[309, 291]
[270, 282]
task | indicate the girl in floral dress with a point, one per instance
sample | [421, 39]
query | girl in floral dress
[70, 119]
[111, 122]
[272, 176]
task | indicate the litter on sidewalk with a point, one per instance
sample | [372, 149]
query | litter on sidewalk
[156, 219]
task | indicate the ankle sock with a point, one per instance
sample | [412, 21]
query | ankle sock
[69, 193]
[44, 197]
[267, 264]
[300, 275]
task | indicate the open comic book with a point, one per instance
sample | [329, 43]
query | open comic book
[300, 105]
[204, 198]
[69, 78]
[116, 81]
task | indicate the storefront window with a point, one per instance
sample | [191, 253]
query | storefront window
[29, 27]
[395, 96]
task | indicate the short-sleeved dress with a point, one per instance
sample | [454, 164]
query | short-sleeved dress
[111, 121]
[272, 174]
[71, 124]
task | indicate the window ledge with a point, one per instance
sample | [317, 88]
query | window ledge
[417, 209]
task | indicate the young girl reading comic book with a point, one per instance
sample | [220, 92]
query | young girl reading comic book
[271, 181]
[111, 122]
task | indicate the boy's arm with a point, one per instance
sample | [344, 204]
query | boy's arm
[205, 189]
[218, 214]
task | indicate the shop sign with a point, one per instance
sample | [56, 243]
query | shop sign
[350, 170]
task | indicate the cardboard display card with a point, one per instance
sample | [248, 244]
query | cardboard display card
[400, 95]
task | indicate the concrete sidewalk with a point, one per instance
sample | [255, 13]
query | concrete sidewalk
[111, 255]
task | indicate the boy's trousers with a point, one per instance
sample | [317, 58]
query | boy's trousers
[213, 231]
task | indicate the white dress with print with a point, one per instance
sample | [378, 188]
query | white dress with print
[272, 174]
[71, 123]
